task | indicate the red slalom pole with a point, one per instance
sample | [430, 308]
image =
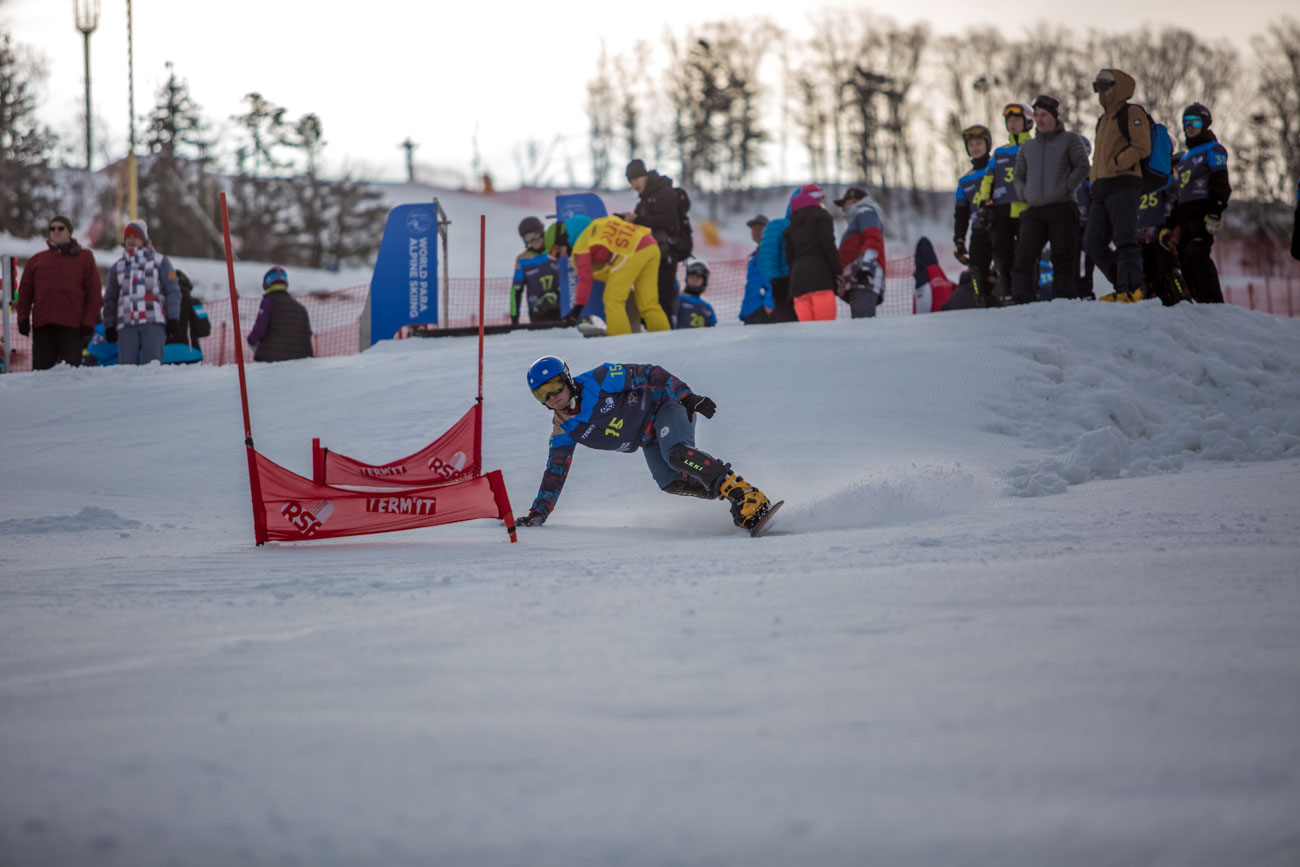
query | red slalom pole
[254, 484]
[482, 291]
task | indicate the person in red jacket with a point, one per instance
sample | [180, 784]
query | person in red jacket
[60, 292]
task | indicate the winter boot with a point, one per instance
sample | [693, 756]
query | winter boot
[748, 503]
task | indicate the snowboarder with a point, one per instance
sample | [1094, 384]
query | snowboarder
[536, 278]
[624, 407]
[692, 310]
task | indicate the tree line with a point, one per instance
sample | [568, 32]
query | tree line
[281, 208]
[864, 98]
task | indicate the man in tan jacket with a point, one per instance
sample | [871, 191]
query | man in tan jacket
[1123, 140]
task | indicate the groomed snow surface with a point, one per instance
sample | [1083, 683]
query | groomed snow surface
[1033, 599]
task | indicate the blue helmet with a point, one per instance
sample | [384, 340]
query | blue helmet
[543, 371]
[274, 276]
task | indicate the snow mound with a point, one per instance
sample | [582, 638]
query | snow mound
[89, 518]
[1137, 390]
[897, 495]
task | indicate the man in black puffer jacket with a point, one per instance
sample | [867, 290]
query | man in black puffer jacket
[662, 208]
[282, 331]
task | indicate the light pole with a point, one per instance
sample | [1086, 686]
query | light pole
[131, 176]
[87, 15]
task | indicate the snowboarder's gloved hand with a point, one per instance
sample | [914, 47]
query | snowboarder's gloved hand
[1169, 239]
[25, 327]
[698, 403]
[959, 250]
[532, 519]
[575, 314]
[110, 334]
[1213, 223]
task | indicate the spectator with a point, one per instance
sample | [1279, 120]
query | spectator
[979, 147]
[1123, 140]
[756, 307]
[193, 323]
[998, 198]
[932, 290]
[536, 277]
[1083, 273]
[814, 261]
[1155, 210]
[1049, 169]
[775, 267]
[1202, 194]
[626, 257]
[1295, 226]
[663, 209]
[59, 294]
[282, 331]
[692, 310]
[143, 300]
[861, 253]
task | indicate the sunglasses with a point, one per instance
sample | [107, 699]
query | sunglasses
[1101, 86]
[548, 389]
[1193, 121]
[58, 228]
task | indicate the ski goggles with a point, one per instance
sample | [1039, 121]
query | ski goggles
[549, 389]
[1194, 121]
[533, 236]
[977, 131]
[1013, 111]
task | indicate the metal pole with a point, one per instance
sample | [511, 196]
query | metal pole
[87, 14]
[441, 216]
[8, 277]
[132, 188]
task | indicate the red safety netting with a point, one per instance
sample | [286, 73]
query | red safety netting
[452, 457]
[336, 316]
[290, 508]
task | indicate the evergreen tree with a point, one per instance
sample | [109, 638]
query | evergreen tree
[27, 196]
[261, 203]
[178, 192]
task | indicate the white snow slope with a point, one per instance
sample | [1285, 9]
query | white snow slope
[1034, 599]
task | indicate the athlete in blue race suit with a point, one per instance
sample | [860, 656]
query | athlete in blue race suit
[625, 407]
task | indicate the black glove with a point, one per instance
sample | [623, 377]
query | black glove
[25, 327]
[959, 250]
[532, 519]
[110, 334]
[698, 403]
[575, 314]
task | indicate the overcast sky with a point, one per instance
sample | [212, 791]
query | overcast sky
[379, 71]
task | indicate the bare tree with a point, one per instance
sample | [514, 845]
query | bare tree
[1274, 129]
[26, 187]
[601, 118]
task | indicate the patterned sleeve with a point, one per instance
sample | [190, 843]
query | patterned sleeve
[557, 470]
[662, 384]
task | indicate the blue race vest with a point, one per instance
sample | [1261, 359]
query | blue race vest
[609, 419]
[1154, 208]
[541, 285]
[1195, 168]
[1004, 174]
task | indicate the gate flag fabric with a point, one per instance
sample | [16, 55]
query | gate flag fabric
[452, 457]
[404, 285]
[579, 205]
[295, 509]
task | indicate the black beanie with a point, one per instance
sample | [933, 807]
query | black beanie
[1048, 104]
[636, 169]
[59, 218]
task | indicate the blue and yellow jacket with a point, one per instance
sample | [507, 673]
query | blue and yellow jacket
[998, 186]
[613, 410]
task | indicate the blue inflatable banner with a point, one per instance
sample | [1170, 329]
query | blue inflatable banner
[404, 286]
[575, 205]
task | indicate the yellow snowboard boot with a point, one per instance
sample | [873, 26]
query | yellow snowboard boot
[748, 503]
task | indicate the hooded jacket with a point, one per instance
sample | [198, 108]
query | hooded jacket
[1117, 154]
[659, 210]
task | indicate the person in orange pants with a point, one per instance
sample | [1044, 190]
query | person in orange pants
[626, 257]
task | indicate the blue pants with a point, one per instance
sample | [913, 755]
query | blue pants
[141, 344]
[671, 428]
[1114, 218]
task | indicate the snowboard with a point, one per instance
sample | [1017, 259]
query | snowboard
[764, 522]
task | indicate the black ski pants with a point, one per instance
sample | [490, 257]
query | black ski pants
[1113, 217]
[1003, 232]
[54, 343]
[1059, 224]
[1199, 270]
[981, 257]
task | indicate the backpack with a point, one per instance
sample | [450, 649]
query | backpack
[684, 240]
[1158, 166]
